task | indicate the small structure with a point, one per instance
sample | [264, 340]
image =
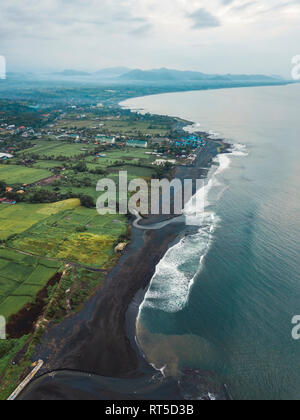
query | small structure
[105, 139]
[160, 141]
[120, 247]
[5, 156]
[7, 201]
[137, 143]
[162, 162]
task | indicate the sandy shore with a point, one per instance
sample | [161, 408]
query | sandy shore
[100, 339]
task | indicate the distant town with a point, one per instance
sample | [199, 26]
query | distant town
[90, 135]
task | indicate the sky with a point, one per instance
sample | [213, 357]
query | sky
[212, 36]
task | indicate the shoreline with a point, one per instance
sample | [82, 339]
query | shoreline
[108, 320]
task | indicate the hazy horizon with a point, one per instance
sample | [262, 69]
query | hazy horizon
[92, 72]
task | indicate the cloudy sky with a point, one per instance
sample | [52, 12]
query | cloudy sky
[215, 36]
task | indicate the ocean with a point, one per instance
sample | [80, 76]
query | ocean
[223, 298]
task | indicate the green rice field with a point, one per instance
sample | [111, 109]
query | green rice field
[21, 279]
[21, 217]
[79, 235]
[134, 128]
[15, 174]
[57, 148]
[120, 126]
[127, 155]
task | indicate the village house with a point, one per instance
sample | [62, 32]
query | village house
[137, 143]
[7, 201]
[105, 139]
[163, 162]
[5, 156]
[161, 141]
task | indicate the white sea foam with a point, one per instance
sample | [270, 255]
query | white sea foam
[193, 128]
[224, 163]
[239, 150]
[175, 274]
[213, 134]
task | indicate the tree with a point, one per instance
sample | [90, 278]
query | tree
[81, 167]
[43, 196]
[15, 197]
[87, 201]
[2, 187]
[81, 229]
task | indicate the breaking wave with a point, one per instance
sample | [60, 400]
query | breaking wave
[175, 274]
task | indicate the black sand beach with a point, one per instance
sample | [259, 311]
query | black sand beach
[100, 339]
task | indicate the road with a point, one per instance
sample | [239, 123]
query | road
[26, 381]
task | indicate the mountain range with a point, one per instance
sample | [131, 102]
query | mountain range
[124, 74]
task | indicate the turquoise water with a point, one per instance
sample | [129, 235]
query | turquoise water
[223, 298]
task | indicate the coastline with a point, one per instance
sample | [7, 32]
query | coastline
[107, 322]
[251, 385]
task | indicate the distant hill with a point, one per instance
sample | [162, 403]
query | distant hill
[164, 75]
[156, 78]
[109, 73]
[112, 72]
[72, 73]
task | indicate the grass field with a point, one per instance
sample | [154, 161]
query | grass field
[70, 124]
[20, 217]
[21, 278]
[14, 174]
[57, 148]
[132, 171]
[47, 164]
[122, 126]
[131, 127]
[127, 155]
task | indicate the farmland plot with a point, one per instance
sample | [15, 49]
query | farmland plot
[21, 279]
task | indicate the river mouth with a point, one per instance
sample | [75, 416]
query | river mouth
[72, 385]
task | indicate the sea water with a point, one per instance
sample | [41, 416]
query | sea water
[223, 297]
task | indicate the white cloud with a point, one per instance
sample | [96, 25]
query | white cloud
[201, 19]
[91, 34]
